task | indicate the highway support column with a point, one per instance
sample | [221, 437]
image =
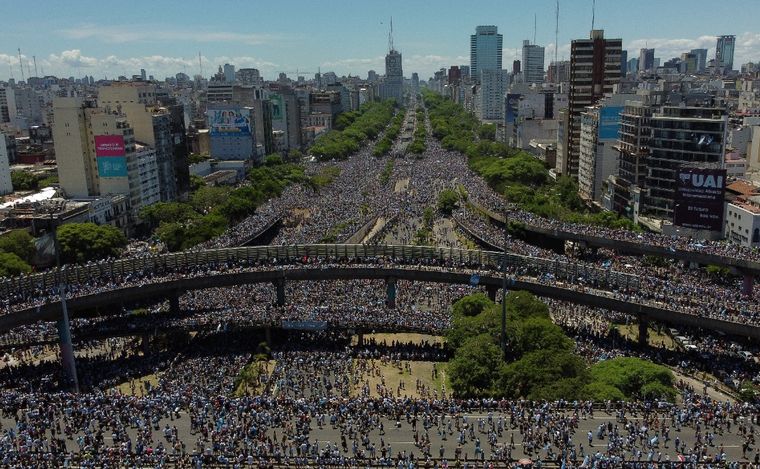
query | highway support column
[67, 346]
[279, 285]
[491, 290]
[174, 303]
[748, 284]
[643, 331]
[390, 292]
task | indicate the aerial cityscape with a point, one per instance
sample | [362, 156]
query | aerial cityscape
[523, 236]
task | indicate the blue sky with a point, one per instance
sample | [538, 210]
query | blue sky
[109, 38]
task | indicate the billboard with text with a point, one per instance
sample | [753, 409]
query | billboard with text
[229, 122]
[699, 198]
[111, 156]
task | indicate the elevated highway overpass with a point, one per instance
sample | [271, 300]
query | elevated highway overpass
[743, 266]
[173, 274]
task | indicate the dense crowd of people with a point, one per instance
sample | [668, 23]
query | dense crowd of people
[321, 399]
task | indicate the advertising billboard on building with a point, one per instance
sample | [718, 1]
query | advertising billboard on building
[513, 100]
[278, 109]
[111, 156]
[609, 122]
[699, 198]
[229, 122]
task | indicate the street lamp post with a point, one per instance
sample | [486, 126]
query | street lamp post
[504, 291]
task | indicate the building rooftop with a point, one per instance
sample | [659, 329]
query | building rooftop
[744, 188]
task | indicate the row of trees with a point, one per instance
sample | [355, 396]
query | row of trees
[16, 253]
[211, 210]
[29, 181]
[78, 242]
[352, 129]
[523, 179]
[541, 362]
[385, 144]
[418, 145]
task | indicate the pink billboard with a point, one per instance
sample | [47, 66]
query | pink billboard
[109, 145]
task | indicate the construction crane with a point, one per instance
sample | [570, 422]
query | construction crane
[21, 65]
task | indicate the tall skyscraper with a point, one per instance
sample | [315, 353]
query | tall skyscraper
[229, 73]
[97, 154]
[682, 137]
[594, 70]
[724, 52]
[6, 187]
[623, 63]
[532, 62]
[646, 60]
[485, 50]
[701, 59]
[393, 85]
[490, 98]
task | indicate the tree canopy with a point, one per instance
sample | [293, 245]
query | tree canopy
[540, 362]
[82, 242]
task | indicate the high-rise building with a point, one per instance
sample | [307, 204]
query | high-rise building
[682, 137]
[229, 73]
[558, 72]
[249, 76]
[372, 76]
[489, 101]
[646, 60]
[623, 63]
[231, 132]
[633, 149]
[151, 124]
[393, 83]
[724, 52]
[598, 157]
[594, 70]
[143, 74]
[96, 152]
[516, 67]
[6, 186]
[485, 50]
[532, 62]
[7, 104]
[701, 59]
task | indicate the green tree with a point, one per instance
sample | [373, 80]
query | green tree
[539, 333]
[471, 371]
[11, 264]
[537, 373]
[167, 212]
[448, 200]
[196, 182]
[487, 132]
[635, 378]
[82, 242]
[24, 180]
[471, 305]
[206, 198]
[18, 242]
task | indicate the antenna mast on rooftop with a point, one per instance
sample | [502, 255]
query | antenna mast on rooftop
[593, 13]
[535, 23]
[21, 65]
[390, 37]
[34, 57]
[200, 64]
[556, 34]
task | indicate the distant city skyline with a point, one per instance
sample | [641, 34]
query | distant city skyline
[108, 38]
